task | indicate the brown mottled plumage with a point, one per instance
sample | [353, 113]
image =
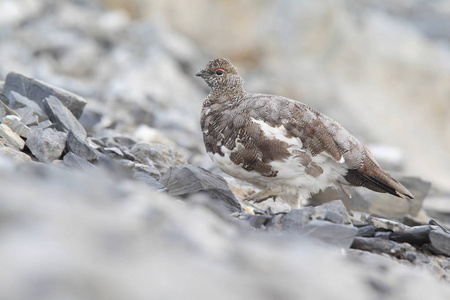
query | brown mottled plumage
[284, 147]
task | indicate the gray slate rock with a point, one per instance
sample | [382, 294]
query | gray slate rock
[37, 91]
[417, 235]
[333, 211]
[258, 221]
[339, 235]
[439, 241]
[297, 218]
[72, 160]
[16, 125]
[149, 180]
[19, 101]
[157, 155]
[366, 231]
[4, 109]
[46, 144]
[29, 117]
[385, 235]
[62, 116]
[11, 138]
[187, 180]
[149, 170]
[80, 147]
[379, 245]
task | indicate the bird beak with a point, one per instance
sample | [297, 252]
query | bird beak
[201, 73]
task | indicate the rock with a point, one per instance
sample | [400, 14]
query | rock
[19, 101]
[333, 211]
[297, 218]
[187, 180]
[114, 152]
[29, 117]
[379, 245]
[15, 154]
[37, 91]
[339, 235]
[386, 224]
[385, 235]
[80, 147]
[11, 138]
[16, 125]
[418, 235]
[4, 109]
[366, 231]
[72, 160]
[62, 116]
[149, 170]
[439, 241]
[157, 155]
[43, 125]
[258, 221]
[149, 180]
[46, 144]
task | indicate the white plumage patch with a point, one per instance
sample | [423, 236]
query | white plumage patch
[278, 133]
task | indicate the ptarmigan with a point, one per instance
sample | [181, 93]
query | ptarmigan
[282, 146]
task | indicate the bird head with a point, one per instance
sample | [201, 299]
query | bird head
[219, 74]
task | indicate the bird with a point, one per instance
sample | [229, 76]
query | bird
[284, 147]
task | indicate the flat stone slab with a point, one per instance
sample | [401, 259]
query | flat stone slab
[16, 125]
[19, 101]
[63, 117]
[186, 180]
[37, 91]
[11, 138]
[439, 241]
[80, 147]
[379, 245]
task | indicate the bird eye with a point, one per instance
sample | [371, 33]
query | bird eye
[219, 71]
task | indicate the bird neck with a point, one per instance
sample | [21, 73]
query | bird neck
[232, 88]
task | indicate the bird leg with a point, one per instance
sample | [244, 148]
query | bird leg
[261, 196]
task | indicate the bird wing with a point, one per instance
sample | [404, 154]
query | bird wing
[320, 134]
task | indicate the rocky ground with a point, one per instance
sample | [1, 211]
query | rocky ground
[107, 192]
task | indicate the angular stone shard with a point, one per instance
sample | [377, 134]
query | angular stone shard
[11, 138]
[4, 109]
[46, 144]
[80, 147]
[19, 101]
[439, 241]
[37, 91]
[187, 180]
[386, 224]
[62, 116]
[16, 125]
[417, 235]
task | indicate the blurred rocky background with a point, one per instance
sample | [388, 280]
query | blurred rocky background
[106, 190]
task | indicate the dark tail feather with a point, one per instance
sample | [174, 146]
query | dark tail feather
[386, 184]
